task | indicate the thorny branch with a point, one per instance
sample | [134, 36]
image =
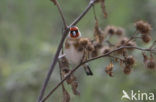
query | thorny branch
[104, 55]
[61, 42]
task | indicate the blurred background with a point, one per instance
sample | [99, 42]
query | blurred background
[29, 34]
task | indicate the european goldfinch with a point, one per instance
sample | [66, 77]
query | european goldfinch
[74, 49]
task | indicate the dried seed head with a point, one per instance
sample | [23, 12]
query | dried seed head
[90, 46]
[97, 45]
[105, 50]
[109, 69]
[120, 31]
[120, 51]
[74, 85]
[83, 41]
[110, 30]
[127, 70]
[151, 64]
[131, 44]
[145, 57]
[123, 41]
[95, 53]
[71, 79]
[130, 60]
[146, 38]
[143, 27]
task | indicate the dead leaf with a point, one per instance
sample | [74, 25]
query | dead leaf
[66, 96]
[98, 33]
[74, 88]
[103, 8]
[109, 69]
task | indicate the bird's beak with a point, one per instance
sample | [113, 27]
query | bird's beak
[74, 33]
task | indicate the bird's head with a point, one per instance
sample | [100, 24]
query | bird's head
[74, 32]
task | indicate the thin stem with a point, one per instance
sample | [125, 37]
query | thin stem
[104, 55]
[94, 13]
[61, 14]
[91, 3]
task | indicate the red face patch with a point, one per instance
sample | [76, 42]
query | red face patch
[74, 33]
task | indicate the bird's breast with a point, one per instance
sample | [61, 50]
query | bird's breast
[72, 54]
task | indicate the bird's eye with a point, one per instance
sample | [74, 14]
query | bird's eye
[74, 34]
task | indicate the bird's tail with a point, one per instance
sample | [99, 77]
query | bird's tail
[87, 70]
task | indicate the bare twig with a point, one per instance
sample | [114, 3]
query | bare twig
[61, 44]
[104, 55]
[94, 13]
[115, 57]
[91, 3]
[61, 13]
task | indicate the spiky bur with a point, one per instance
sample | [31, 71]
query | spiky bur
[146, 38]
[149, 62]
[129, 62]
[127, 70]
[125, 42]
[120, 31]
[105, 49]
[145, 29]
[85, 43]
[109, 69]
[114, 30]
[110, 30]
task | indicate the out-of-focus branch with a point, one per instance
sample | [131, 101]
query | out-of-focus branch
[91, 3]
[61, 43]
[104, 55]
[61, 13]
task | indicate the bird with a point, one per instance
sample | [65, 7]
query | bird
[74, 49]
